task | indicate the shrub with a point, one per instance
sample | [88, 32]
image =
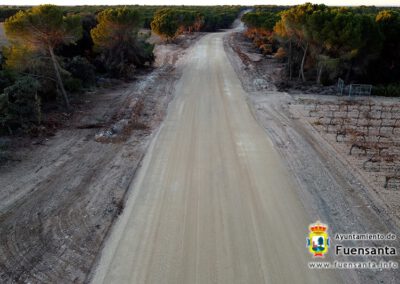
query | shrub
[80, 68]
[116, 38]
[73, 85]
[20, 104]
[6, 79]
[391, 90]
[4, 114]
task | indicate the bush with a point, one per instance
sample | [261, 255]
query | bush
[117, 40]
[6, 79]
[20, 104]
[80, 68]
[4, 114]
[73, 85]
[391, 90]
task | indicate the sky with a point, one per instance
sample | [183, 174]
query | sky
[200, 2]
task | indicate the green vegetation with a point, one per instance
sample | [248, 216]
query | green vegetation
[218, 17]
[261, 19]
[39, 31]
[171, 22]
[6, 12]
[260, 25]
[53, 52]
[20, 104]
[323, 43]
[116, 37]
[389, 64]
[389, 90]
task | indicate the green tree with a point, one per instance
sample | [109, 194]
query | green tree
[166, 23]
[41, 29]
[294, 26]
[171, 22]
[116, 36]
[262, 20]
[260, 25]
[353, 38]
[292, 30]
[329, 38]
[190, 21]
[389, 24]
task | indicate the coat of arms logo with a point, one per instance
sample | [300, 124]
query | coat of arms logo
[318, 240]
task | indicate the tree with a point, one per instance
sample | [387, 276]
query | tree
[389, 25]
[286, 37]
[353, 38]
[84, 46]
[166, 23]
[314, 25]
[41, 29]
[261, 20]
[171, 22]
[328, 39]
[293, 26]
[116, 36]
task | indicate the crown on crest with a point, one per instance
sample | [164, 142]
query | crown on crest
[318, 227]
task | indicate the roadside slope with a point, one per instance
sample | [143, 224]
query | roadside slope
[213, 202]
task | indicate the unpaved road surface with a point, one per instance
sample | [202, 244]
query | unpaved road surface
[212, 202]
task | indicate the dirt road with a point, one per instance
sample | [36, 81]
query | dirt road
[213, 202]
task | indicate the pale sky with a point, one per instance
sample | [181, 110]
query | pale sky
[200, 2]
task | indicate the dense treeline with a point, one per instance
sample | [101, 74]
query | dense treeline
[260, 24]
[6, 12]
[323, 43]
[171, 22]
[215, 17]
[54, 51]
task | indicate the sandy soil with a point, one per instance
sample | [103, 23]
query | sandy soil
[58, 203]
[330, 186]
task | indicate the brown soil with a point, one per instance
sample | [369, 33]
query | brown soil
[58, 202]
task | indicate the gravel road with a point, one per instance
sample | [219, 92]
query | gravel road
[213, 202]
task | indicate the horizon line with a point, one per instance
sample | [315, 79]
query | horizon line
[198, 5]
